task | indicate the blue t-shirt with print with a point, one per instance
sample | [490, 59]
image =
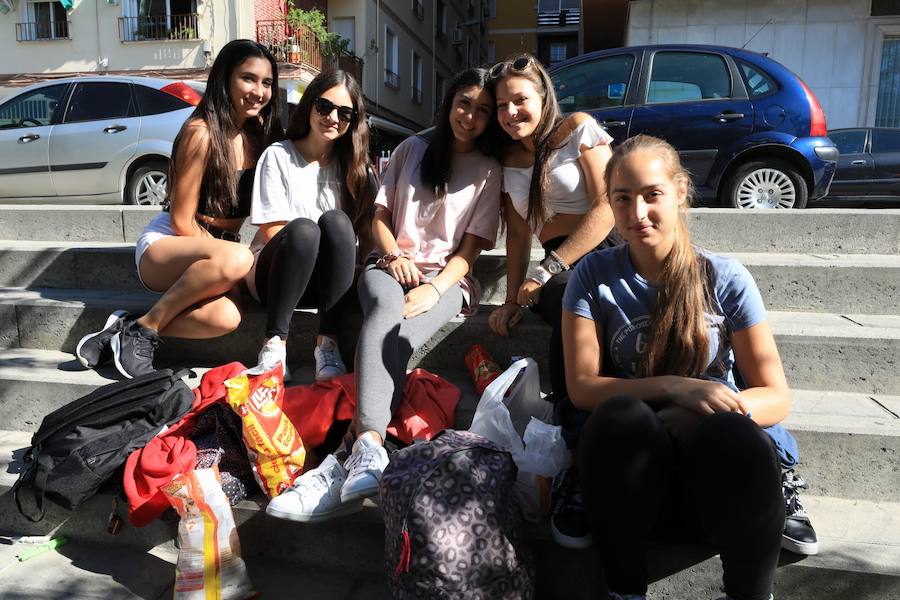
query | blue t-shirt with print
[606, 289]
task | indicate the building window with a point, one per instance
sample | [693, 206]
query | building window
[391, 59]
[491, 52]
[418, 9]
[545, 6]
[415, 90]
[557, 53]
[346, 28]
[438, 91]
[470, 60]
[43, 21]
[885, 8]
[887, 111]
[158, 20]
[492, 9]
[440, 21]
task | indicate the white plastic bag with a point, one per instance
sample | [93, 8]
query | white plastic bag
[510, 409]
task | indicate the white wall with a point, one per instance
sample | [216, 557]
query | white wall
[833, 45]
[94, 34]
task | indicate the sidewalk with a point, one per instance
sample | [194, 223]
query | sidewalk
[89, 572]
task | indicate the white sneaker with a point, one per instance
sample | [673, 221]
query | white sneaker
[365, 465]
[328, 360]
[315, 495]
[273, 352]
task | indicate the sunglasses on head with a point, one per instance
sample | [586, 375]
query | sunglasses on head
[519, 64]
[325, 107]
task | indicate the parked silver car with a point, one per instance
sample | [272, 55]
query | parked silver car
[102, 140]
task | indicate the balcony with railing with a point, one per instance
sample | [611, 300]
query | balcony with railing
[158, 28]
[300, 46]
[42, 31]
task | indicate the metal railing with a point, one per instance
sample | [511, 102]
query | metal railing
[391, 79]
[298, 46]
[159, 27]
[46, 30]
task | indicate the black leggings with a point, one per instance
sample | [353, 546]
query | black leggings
[549, 307]
[722, 486]
[302, 253]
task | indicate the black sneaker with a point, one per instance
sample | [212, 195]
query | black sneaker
[799, 535]
[133, 349]
[568, 523]
[93, 349]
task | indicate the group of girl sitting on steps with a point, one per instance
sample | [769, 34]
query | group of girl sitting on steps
[647, 329]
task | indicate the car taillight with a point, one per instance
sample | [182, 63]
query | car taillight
[183, 91]
[817, 126]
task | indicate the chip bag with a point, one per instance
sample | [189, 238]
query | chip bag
[209, 555]
[274, 447]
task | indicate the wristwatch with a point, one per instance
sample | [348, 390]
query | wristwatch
[554, 264]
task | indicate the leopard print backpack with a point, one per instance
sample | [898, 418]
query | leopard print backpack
[453, 527]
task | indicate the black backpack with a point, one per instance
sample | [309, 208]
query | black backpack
[82, 444]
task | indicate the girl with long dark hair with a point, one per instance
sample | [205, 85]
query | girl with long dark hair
[190, 252]
[653, 331]
[312, 200]
[437, 208]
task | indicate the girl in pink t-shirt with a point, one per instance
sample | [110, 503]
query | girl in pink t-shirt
[437, 209]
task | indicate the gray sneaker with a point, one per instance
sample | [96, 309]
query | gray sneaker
[93, 349]
[133, 349]
[315, 495]
[365, 466]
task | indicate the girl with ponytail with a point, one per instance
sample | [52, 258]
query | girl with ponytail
[652, 333]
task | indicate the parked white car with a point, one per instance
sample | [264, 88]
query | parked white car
[98, 140]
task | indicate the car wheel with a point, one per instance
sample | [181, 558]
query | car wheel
[766, 184]
[147, 185]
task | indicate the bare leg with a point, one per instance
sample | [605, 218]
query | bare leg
[195, 273]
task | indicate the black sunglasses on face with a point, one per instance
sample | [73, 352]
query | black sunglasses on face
[325, 107]
[519, 64]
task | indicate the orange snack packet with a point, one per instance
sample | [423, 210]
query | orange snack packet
[274, 447]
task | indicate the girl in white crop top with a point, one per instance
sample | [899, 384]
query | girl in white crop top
[553, 169]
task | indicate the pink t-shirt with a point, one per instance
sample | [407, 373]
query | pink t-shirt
[431, 230]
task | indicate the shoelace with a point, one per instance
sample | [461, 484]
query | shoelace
[328, 357]
[567, 494]
[319, 480]
[790, 483]
[363, 459]
[145, 346]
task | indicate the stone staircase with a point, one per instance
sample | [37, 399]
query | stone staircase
[830, 279]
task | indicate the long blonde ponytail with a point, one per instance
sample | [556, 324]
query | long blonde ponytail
[678, 341]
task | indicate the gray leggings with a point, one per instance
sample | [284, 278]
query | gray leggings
[386, 343]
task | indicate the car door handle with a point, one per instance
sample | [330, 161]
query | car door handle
[115, 129]
[858, 163]
[29, 138]
[728, 116]
[613, 123]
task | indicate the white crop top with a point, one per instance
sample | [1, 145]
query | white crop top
[566, 192]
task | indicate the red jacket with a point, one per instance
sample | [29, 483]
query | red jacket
[428, 406]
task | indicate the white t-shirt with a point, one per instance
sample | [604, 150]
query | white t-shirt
[287, 187]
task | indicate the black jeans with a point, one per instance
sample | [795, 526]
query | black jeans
[307, 264]
[722, 486]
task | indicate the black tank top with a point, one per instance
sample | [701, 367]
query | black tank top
[244, 197]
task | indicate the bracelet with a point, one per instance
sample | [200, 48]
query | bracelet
[440, 294]
[562, 263]
[539, 275]
[388, 258]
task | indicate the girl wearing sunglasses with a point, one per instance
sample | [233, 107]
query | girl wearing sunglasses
[312, 199]
[436, 210]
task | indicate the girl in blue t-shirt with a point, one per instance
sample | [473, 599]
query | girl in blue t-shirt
[651, 333]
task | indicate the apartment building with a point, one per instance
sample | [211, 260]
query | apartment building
[549, 29]
[409, 50]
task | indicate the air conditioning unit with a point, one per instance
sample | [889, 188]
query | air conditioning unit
[456, 36]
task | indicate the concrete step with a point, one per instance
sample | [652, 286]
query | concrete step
[810, 282]
[843, 352]
[849, 443]
[844, 231]
[859, 539]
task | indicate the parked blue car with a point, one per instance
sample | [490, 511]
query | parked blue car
[751, 132]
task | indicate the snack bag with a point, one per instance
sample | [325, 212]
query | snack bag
[209, 555]
[275, 449]
[482, 367]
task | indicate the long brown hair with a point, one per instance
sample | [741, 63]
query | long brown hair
[219, 183]
[351, 150]
[679, 331]
[551, 117]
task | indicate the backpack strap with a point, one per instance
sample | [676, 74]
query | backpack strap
[180, 373]
[28, 476]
